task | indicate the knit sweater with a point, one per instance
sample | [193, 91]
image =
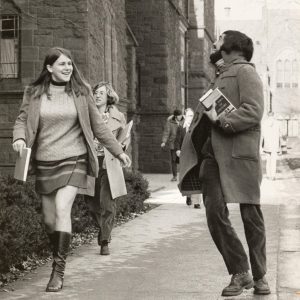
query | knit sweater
[59, 133]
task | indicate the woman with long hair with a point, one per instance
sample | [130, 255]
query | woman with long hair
[58, 119]
[103, 204]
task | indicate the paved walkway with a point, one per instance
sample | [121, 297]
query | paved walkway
[168, 253]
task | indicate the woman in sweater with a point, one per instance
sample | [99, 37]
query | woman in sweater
[103, 205]
[57, 119]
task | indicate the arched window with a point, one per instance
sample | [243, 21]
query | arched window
[287, 73]
[295, 73]
[279, 74]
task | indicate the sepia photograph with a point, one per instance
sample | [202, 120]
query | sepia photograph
[150, 149]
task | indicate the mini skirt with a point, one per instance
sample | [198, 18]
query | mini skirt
[53, 175]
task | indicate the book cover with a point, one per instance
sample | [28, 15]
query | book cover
[222, 103]
[22, 164]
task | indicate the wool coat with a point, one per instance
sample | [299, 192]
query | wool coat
[235, 140]
[116, 122]
[90, 120]
[169, 134]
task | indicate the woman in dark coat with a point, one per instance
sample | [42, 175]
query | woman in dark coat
[181, 132]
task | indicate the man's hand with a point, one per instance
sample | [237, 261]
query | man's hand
[125, 160]
[18, 145]
[163, 145]
[212, 114]
[178, 153]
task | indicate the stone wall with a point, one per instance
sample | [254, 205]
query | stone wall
[156, 27]
[201, 38]
[94, 30]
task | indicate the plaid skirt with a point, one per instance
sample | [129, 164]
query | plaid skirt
[52, 175]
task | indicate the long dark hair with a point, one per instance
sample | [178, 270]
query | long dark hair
[77, 83]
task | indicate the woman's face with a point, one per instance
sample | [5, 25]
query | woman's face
[62, 69]
[101, 96]
[189, 117]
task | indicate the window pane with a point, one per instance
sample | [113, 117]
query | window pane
[287, 73]
[295, 74]
[9, 47]
[279, 73]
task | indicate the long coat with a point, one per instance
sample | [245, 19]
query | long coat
[115, 123]
[26, 127]
[169, 134]
[235, 141]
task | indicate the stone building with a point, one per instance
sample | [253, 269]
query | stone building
[274, 28]
[201, 36]
[95, 31]
[154, 52]
[174, 38]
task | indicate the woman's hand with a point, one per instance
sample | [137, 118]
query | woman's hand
[178, 153]
[18, 145]
[125, 160]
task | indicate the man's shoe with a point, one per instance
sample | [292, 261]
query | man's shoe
[104, 248]
[238, 283]
[188, 201]
[261, 287]
[197, 206]
[174, 178]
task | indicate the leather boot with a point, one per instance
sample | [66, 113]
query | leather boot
[104, 248]
[61, 247]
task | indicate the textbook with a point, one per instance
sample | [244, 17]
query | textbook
[124, 136]
[22, 164]
[222, 104]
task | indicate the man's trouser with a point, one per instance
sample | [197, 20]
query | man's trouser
[101, 205]
[224, 234]
[173, 162]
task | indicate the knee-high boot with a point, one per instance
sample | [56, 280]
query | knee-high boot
[61, 242]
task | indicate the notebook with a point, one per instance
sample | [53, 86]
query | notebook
[22, 164]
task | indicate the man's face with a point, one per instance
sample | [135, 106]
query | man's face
[216, 53]
[218, 43]
[178, 118]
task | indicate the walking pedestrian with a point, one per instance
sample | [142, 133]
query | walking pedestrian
[271, 144]
[181, 132]
[102, 205]
[58, 118]
[169, 136]
[225, 152]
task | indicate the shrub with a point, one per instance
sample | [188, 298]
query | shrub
[22, 232]
[137, 193]
[21, 226]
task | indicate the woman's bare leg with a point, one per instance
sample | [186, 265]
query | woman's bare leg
[64, 201]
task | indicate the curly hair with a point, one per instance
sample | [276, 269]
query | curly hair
[112, 96]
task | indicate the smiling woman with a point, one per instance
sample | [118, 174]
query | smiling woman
[62, 69]
[58, 119]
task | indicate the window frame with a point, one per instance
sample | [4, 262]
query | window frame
[17, 45]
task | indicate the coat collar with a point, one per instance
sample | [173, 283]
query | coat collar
[115, 118]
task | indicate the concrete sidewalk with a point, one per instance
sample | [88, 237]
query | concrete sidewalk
[168, 253]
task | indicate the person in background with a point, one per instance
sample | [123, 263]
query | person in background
[169, 136]
[57, 119]
[271, 144]
[102, 206]
[181, 132]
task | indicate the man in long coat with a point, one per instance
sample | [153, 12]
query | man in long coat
[220, 157]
